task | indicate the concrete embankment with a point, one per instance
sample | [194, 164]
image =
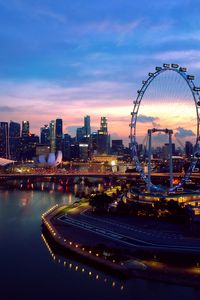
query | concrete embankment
[79, 249]
[150, 270]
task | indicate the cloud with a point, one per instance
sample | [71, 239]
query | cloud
[183, 133]
[110, 27]
[7, 109]
[177, 55]
[72, 129]
[160, 137]
[50, 14]
[146, 119]
[42, 101]
[156, 125]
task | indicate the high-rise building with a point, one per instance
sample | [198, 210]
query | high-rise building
[59, 134]
[103, 139]
[25, 128]
[66, 147]
[14, 140]
[52, 130]
[188, 149]
[80, 134]
[74, 150]
[103, 125]
[117, 147]
[45, 135]
[4, 140]
[166, 150]
[94, 142]
[87, 126]
[28, 145]
[83, 151]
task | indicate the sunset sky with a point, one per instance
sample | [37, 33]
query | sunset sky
[67, 59]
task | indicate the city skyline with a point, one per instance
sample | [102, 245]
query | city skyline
[83, 58]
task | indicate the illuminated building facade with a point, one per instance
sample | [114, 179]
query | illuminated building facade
[83, 151]
[4, 140]
[117, 147]
[103, 138]
[52, 131]
[59, 134]
[188, 149]
[66, 146]
[87, 126]
[28, 146]
[14, 140]
[25, 128]
[45, 135]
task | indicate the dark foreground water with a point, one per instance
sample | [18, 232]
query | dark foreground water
[28, 271]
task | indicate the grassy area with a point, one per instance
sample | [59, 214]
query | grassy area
[82, 203]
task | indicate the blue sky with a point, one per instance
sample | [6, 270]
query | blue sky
[71, 58]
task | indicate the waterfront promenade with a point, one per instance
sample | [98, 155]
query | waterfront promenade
[102, 240]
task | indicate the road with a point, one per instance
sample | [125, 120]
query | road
[129, 234]
[90, 174]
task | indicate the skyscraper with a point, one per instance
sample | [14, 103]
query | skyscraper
[66, 147]
[52, 130]
[59, 134]
[4, 140]
[188, 149]
[80, 134]
[28, 146]
[103, 139]
[45, 135]
[103, 125]
[117, 147]
[25, 128]
[14, 140]
[87, 126]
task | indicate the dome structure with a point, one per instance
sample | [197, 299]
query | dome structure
[52, 160]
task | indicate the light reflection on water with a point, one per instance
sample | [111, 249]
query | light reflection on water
[87, 271]
[27, 267]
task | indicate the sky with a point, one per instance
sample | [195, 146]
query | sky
[67, 59]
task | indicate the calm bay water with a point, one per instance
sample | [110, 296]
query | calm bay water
[27, 270]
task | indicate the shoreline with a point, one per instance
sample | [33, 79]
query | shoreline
[133, 267]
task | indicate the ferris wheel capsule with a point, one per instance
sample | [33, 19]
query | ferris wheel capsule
[158, 68]
[190, 77]
[175, 66]
[196, 89]
[182, 69]
[167, 66]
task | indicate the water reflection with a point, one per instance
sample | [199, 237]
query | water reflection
[81, 185]
[75, 266]
[30, 271]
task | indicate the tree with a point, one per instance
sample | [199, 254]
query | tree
[100, 202]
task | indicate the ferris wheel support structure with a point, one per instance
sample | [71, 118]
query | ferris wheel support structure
[189, 79]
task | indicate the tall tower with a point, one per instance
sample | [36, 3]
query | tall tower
[103, 138]
[87, 126]
[52, 131]
[45, 135]
[59, 134]
[25, 128]
[14, 140]
[4, 140]
[103, 126]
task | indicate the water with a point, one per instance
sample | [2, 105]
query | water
[27, 270]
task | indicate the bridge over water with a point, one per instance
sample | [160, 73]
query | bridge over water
[64, 175]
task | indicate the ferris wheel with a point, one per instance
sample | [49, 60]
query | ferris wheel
[195, 96]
